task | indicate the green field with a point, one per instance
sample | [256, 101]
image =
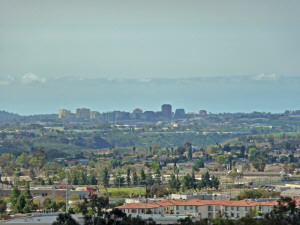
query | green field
[124, 192]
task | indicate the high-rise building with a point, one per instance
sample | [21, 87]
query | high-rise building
[64, 114]
[148, 116]
[83, 113]
[166, 111]
[94, 115]
[119, 116]
[179, 114]
[109, 116]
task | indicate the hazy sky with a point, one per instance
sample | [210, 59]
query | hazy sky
[222, 56]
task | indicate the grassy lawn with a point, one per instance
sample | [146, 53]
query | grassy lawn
[124, 191]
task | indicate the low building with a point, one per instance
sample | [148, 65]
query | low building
[48, 192]
[196, 209]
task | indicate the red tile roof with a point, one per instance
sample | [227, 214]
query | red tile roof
[197, 202]
[138, 206]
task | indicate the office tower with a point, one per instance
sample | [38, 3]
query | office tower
[149, 116]
[64, 114]
[179, 114]
[166, 110]
[94, 115]
[83, 113]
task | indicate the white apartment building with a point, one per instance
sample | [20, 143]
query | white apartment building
[195, 208]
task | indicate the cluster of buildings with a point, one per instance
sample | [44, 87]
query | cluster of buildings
[168, 211]
[166, 114]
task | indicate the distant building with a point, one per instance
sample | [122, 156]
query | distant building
[179, 114]
[202, 113]
[136, 114]
[166, 111]
[64, 113]
[167, 211]
[109, 117]
[158, 116]
[119, 116]
[83, 113]
[137, 110]
[94, 115]
[149, 115]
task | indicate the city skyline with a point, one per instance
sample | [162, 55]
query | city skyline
[222, 56]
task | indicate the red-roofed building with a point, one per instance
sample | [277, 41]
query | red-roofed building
[196, 208]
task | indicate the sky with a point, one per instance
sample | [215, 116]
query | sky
[222, 56]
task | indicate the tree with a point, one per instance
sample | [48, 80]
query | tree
[75, 179]
[211, 149]
[193, 180]
[2, 206]
[259, 163]
[27, 208]
[233, 175]
[119, 180]
[98, 203]
[128, 179]
[135, 179]
[172, 182]
[83, 206]
[105, 178]
[158, 191]
[14, 196]
[49, 181]
[21, 202]
[157, 177]
[189, 150]
[199, 163]
[253, 153]
[220, 159]
[27, 192]
[65, 219]
[242, 152]
[39, 158]
[219, 220]
[50, 204]
[178, 183]
[149, 179]
[286, 212]
[82, 178]
[227, 148]
[143, 178]
[205, 180]
[215, 182]
[187, 182]
[154, 165]
[257, 193]
[23, 160]
[180, 150]
[92, 180]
